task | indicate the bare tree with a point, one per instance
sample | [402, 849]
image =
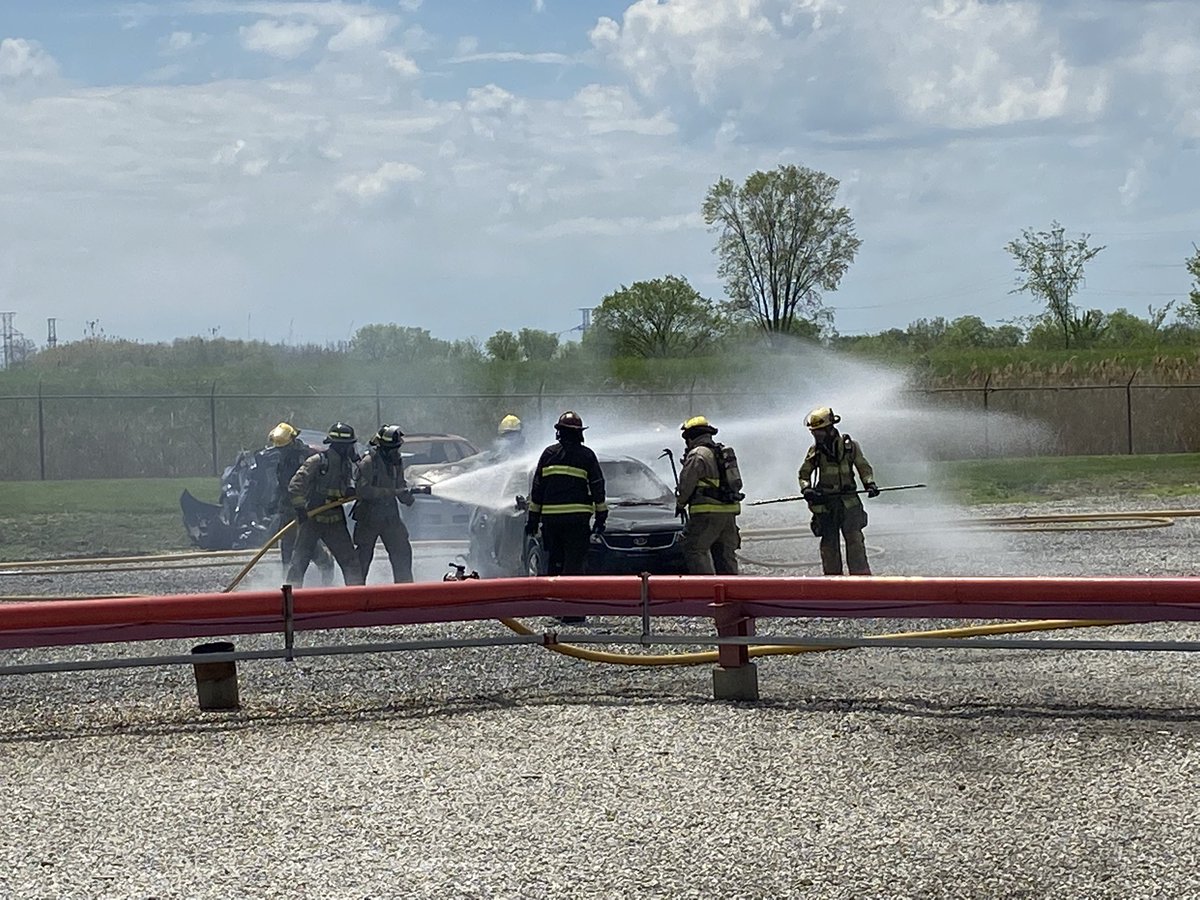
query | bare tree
[782, 241]
[1051, 269]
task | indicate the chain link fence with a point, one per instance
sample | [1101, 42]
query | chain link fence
[65, 436]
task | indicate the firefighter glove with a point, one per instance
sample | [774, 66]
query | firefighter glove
[872, 489]
[532, 521]
[810, 495]
[601, 521]
[405, 496]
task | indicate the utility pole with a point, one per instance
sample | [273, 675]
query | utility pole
[6, 324]
[586, 321]
[51, 334]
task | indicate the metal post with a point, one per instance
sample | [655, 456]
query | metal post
[41, 434]
[212, 423]
[1129, 411]
[289, 622]
[378, 408]
[645, 576]
[735, 677]
[987, 442]
[541, 396]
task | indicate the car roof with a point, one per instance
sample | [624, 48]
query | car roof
[435, 436]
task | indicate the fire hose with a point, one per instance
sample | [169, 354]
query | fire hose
[1155, 518]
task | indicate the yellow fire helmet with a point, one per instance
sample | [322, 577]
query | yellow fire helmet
[509, 424]
[821, 417]
[698, 422]
[282, 435]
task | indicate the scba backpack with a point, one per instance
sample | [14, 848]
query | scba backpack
[730, 474]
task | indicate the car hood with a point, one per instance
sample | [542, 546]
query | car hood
[658, 517]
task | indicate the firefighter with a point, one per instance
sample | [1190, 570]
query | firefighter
[827, 484]
[510, 437]
[376, 515]
[710, 535]
[325, 477]
[567, 488]
[290, 452]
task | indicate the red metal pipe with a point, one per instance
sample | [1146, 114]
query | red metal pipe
[63, 622]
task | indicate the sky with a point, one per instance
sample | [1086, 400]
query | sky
[292, 171]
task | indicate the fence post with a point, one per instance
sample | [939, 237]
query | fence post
[541, 396]
[212, 425]
[41, 433]
[1129, 411]
[987, 438]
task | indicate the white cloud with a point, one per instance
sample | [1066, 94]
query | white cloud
[326, 13]
[181, 41]
[361, 32]
[373, 185]
[279, 191]
[559, 59]
[283, 40]
[750, 63]
[401, 63]
[21, 58]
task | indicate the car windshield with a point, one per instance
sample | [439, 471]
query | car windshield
[631, 482]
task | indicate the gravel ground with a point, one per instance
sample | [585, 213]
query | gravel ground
[513, 772]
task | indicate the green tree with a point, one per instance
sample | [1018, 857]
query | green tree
[504, 346]
[1051, 269]
[967, 331]
[781, 241]
[395, 343]
[926, 334]
[659, 318]
[1123, 329]
[537, 345]
[1190, 311]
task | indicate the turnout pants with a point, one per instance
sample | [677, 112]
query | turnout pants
[836, 523]
[565, 538]
[395, 541]
[287, 546]
[709, 544]
[336, 537]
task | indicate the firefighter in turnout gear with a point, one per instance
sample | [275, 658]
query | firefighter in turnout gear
[710, 535]
[290, 451]
[567, 488]
[380, 485]
[827, 484]
[323, 478]
[510, 437]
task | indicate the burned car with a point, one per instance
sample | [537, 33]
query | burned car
[246, 516]
[643, 533]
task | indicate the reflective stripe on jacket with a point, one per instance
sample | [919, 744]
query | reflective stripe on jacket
[567, 480]
[700, 480]
[835, 473]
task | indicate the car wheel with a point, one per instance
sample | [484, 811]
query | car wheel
[535, 558]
